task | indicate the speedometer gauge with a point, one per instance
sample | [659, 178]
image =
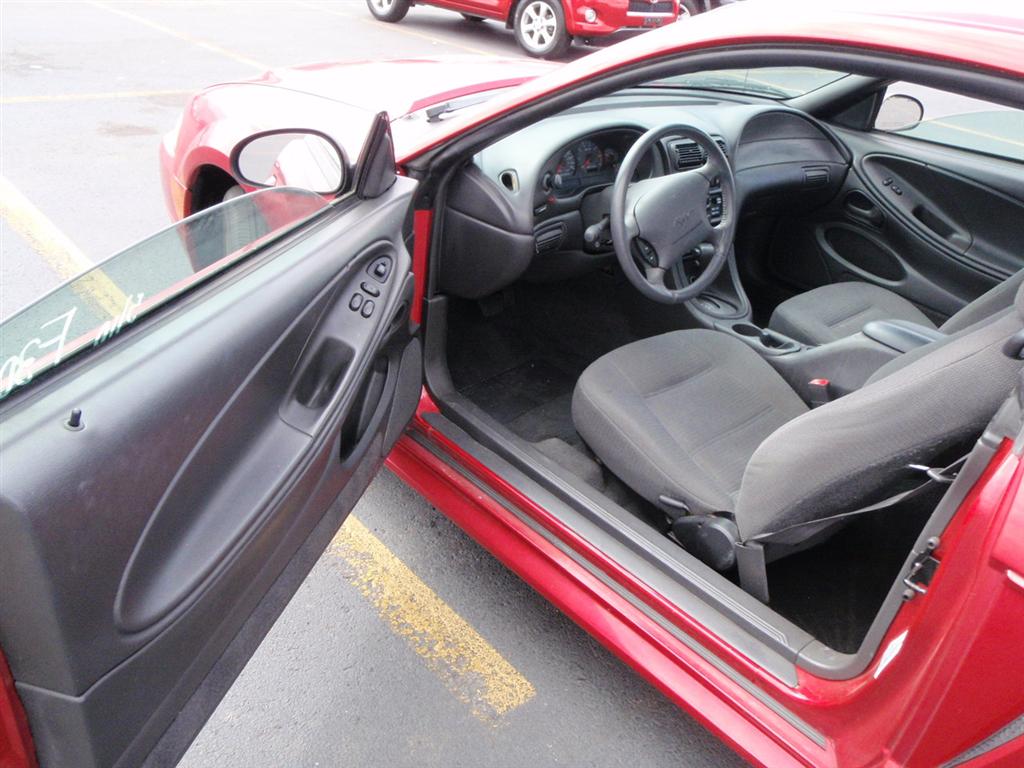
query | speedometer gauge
[610, 158]
[589, 156]
[567, 164]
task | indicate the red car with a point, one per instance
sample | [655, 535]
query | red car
[714, 337]
[546, 28]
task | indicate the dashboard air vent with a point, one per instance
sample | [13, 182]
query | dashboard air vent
[816, 176]
[687, 154]
[547, 239]
[510, 180]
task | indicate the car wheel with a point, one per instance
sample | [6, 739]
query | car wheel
[388, 10]
[688, 8]
[540, 29]
[471, 17]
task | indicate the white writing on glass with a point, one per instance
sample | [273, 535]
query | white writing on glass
[127, 315]
[48, 347]
[17, 370]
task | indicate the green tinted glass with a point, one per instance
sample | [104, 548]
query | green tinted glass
[94, 306]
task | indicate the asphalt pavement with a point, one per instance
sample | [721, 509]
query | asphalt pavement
[353, 673]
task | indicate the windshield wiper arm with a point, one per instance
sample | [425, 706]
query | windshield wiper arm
[438, 111]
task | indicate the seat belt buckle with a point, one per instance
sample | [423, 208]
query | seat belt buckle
[819, 389]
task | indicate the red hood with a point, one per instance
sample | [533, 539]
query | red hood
[339, 98]
[401, 86]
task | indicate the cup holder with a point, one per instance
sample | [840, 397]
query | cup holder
[767, 339]
[746, 329]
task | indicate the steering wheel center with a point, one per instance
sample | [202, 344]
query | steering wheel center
[658, 222]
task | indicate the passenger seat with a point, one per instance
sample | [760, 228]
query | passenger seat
[838, 310]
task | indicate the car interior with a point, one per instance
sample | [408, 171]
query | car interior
[743, 315]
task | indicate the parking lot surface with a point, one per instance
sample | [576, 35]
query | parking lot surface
[408, 645]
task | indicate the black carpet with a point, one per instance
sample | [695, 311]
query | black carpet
[834, 589]
[521, 363]
[532, 399]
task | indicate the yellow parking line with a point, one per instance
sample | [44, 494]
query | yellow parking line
[398, 29]
[465, 662]
[58, 251]
[976, 132]
[181, 35]
[102, 96]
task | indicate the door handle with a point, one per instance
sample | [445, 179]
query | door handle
[319, 378]
[862, 208]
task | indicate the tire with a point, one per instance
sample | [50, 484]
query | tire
[391, 11]
[688, 8]
[471, 17]
[540, 29]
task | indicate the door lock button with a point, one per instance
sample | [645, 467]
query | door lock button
[370, 290]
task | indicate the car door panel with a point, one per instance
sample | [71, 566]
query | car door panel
[937, 225]
[218, 433]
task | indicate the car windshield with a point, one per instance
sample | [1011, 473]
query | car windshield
[770, 82]
[95, 306]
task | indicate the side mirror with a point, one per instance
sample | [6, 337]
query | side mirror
[302, 158]
[899, 112]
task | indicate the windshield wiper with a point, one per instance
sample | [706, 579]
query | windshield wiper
[438, 111]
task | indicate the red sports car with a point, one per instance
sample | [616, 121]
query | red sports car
[715, 337]
[546, 28]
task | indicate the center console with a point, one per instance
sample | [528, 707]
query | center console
[844, 365]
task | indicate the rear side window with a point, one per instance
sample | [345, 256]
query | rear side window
[947, 118]
[93, 307]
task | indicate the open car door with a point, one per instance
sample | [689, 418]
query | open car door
[181, 436]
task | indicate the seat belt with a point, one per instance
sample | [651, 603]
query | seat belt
[750, 554]
[943, 476]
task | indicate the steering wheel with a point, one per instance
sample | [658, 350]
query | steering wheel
[658, 223]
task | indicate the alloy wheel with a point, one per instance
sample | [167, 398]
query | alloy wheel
[539, 26]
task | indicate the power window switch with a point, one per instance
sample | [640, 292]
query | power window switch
[379, 269]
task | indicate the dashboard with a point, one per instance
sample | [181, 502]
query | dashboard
[526, 206]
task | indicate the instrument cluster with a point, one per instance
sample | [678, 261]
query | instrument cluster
[591, 161]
